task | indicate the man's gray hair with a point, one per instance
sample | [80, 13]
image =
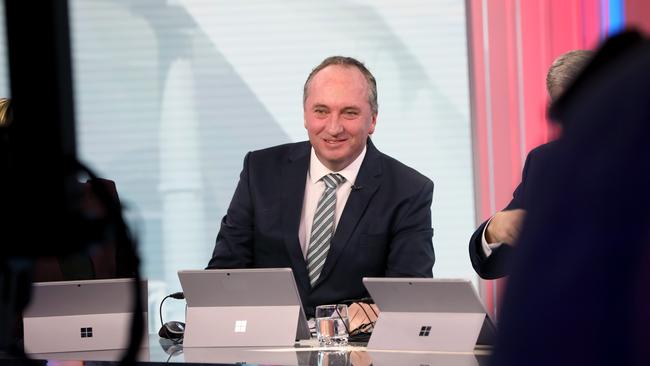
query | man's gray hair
[566, 68]
[346, 62]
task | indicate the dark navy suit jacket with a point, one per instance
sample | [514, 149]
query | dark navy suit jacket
[497, 264]
[384, 230]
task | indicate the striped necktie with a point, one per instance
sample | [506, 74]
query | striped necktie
[322, 228]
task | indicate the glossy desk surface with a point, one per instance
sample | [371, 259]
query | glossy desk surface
[304, 353]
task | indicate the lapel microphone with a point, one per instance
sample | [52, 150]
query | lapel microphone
[356, 188]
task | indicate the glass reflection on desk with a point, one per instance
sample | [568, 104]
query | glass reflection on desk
[304, 353]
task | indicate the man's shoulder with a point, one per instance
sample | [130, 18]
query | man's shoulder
[402, 172]
[543, 149]
[283, 151]
[283, 148]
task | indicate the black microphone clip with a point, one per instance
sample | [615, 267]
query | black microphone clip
[356, 188]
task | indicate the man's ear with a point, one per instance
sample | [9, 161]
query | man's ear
[373, 123]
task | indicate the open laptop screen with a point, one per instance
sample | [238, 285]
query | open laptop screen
[244, 294]
[422, 308]
[424, 295]
[239, 287]
[83, 315]
[83, 297]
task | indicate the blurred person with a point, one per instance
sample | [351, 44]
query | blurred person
[334, 209]
[491, 245]
[578, 291]
[103, 259]
[98, 256]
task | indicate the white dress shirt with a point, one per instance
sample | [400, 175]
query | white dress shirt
[314, 188]
[488, 247]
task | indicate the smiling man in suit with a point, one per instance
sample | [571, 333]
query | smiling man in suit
[333, 208]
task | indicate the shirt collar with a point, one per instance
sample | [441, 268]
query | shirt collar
[317, 170]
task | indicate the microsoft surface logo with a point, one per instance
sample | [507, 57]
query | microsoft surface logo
[240, 326]
[86, 332]
[425, 330]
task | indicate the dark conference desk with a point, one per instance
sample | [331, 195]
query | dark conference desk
[304, 353]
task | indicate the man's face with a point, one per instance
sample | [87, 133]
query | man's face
[338, 117]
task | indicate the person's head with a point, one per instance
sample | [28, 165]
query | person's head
[6, 116]
[564, 70]
[340, 110]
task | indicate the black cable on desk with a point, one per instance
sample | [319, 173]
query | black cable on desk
[171, 337]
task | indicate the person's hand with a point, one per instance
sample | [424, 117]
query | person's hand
[361, 314]
[505, 227]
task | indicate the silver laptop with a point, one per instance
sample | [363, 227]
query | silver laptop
[242, 307]
[426, 314]
[87, 315]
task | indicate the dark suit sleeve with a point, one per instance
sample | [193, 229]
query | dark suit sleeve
[234, 244]
[496, 265]
[411, 249]
[518, 195]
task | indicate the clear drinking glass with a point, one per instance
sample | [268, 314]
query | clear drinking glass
[331, 325]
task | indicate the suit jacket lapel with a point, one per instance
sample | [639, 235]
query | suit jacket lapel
[368, 180]
[294, 173]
